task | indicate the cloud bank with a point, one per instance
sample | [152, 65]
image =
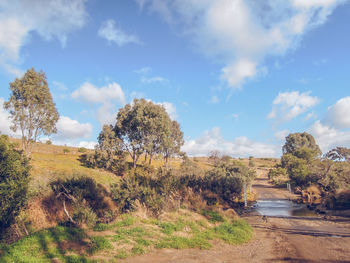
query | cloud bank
[50, 19]
[239, 147]
[242, 33]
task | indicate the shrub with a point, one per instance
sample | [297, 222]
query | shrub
[84, 215]
[14, 179]
[136, 187]
[278, 172]
[82, 149]
[87, 197]
[227, 180]
[48, 142]
[116, 164]
[66, 150]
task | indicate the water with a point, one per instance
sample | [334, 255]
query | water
[281, 207]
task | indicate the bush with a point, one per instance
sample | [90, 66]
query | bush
[86, 197]
[137, 187]
[100, 159]
[14, 180]
[48, 142]
[82, 150]
[276, 173]
[66, 150]
[227, 180]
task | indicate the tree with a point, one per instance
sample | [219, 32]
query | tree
[145, 128]
[339, 154]
[31, 108]
[295, 141]
[108, 148]
[14, 180]
[172, 142]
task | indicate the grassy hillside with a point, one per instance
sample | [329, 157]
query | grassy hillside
[128, 236]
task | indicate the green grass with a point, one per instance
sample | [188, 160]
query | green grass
[132, 236]
[212, 216]
[235, 232]
[122, 254]
[99, 243]
[44, 246]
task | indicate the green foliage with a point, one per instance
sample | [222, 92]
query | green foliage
[145, 128]
[14, 180]
[48, 142]
[298, 170]
[338, 154]
[251, 162]
[137, 187]
[84, 215]
[227, 180]
[277, 172]
[295, 141]
[86, 196]
[66, 150]
[31, 108]
[82, 150]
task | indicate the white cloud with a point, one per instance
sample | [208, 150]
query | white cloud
[68, 129]
[328, 137]
[214, 99]
[109, 31]
[60, 86]
[87, 144]
[146, 78]
[288, 105]
[151, 80]
[333, 130]
[48, 18]
[90, 93]
[338, 115]
[281, 135]
[143, 71]
[5, 122]
[235, 116]
[107, 96]
[239, 147]
[242, 33]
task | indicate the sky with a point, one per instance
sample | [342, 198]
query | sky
[238, 75]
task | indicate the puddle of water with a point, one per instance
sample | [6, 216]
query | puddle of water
[281, 207]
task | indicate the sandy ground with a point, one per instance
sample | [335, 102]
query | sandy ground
[296, 239]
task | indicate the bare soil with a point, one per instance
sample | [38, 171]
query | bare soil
[280, 239]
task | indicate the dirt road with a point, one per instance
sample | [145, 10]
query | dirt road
[280, 239]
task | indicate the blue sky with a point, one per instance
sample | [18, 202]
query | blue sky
[237, 75]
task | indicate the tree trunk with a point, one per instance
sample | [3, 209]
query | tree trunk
[66, 212]
[150, 159]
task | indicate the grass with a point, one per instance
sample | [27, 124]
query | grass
[46, 245]
[126, 237]
[212, 216]
[99, 243]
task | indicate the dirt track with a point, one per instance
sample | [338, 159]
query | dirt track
[296, 239]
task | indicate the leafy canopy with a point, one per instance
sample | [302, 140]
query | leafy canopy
[14, 179]
[31, 108]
